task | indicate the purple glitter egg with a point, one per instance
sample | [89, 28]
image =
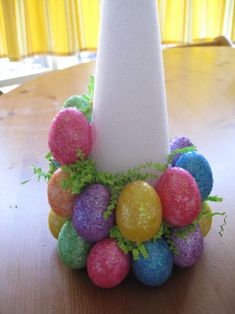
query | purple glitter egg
[177, 143]
[88, 213]
[189, 247]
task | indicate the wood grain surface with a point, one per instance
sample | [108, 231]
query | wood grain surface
[201, 103]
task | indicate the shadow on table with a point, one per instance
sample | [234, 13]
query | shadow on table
[133, 297]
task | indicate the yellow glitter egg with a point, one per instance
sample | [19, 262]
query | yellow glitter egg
[205, 222]
[138, 212]
[55, 223]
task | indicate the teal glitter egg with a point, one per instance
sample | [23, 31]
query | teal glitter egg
[200, 169]
[72, 249]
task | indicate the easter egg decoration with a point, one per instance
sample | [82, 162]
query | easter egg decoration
[88, 215]
[107, 265]
[69, 132]
[205, 221]
[138, 211]
[72, 249]
[180, 197]
[57, 164]
[55, 223]
[177, 143]
[200, 169]
[189, 247]
[60, 200]
[157, 267]
[80, 103]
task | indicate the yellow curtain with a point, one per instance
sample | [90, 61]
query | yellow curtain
[233, 28]
[172, 20]
[60, 27]
[188, 21]
[65, 27]
[207, 18]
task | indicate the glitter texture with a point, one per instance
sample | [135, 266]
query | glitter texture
[107, 265]
[205, 222]
[177, 143]
[72, 249]
[200, 169]
[88, 217]
[79, 103]
[138, 212]
[60, 200]
[180, 197]
[157, 268]
[55, 223]
[190, 248]
[69, 132]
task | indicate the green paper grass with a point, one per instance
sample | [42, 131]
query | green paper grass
[128, 246]
[179, 151]
[40, 174]
[83, 173]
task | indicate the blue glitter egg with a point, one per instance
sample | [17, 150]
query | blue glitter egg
[157, 267]
[200, 169]
[177, 143]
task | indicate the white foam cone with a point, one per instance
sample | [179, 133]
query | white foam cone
[130, 115]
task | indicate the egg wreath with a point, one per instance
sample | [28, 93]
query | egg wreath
[111, 223]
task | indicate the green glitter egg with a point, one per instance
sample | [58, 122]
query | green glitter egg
[72, 249]
[81, 103]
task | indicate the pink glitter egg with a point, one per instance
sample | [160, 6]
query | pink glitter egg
[180, 197]
[107, 265]
[69, 132]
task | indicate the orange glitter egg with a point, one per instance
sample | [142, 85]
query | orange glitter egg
[55, 223]
[60, 200]
[139, 212]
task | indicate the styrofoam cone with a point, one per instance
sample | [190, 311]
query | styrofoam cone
[130, 114]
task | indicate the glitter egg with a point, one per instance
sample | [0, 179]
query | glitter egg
[107, 265]
[180, 197]
[55, 223]
[157, 267]
[205, 222]
[177, 143]
[189, 247]
[69, 132]
[138, 211]
[60, 200]
[56, 164]
[72, 249]
[88, 218]
[200, 169]
[78, 102]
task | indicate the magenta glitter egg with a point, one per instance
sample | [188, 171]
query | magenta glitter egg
[180, 197]
[107, 265]
[88, 219]
[189, 247]
[69, 132]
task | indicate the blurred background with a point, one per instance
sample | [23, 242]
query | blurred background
[44, 35]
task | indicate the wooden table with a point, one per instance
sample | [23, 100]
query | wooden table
[201, 99]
